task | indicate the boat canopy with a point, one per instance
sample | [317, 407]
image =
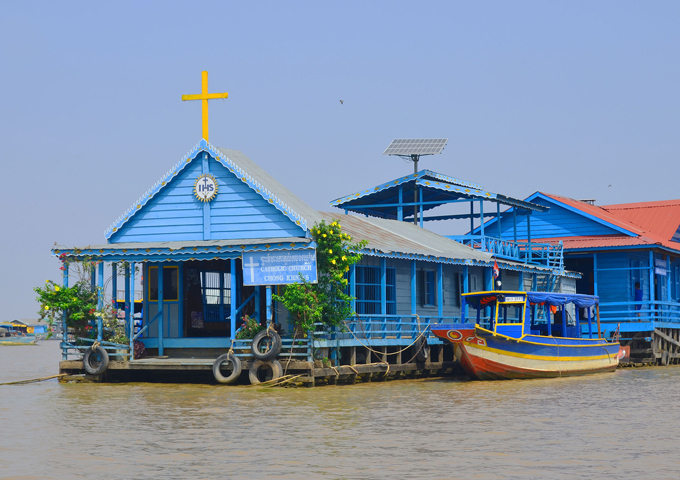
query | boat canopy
[487, 299]
[557, 299]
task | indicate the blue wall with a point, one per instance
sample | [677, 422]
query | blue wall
[237, 212]
[557, 222]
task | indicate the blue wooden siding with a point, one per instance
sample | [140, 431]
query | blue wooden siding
[237, 212]
[557, 222]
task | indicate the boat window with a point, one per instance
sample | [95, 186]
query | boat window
[510, 313]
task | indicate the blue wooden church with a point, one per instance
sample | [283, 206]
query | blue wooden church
[196, 234]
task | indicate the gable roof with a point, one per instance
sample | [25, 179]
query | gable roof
[244, 169]
[641, 224]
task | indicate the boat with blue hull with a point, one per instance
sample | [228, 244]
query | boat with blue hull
[529, 335]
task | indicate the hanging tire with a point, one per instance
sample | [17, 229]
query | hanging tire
[95, 361]
[266, 345]
[258, 371]
[665, 358]
[422, 350]
[235, 372]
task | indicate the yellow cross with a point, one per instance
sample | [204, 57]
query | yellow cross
[205, 96]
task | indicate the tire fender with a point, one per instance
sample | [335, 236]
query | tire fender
[236, 372]
[422, 350]
[260, 342]
[90, 362]
[274, 365]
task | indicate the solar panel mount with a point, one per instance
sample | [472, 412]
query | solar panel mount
[407, 147]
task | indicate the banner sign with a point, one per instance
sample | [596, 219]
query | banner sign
[660, 266]
[279, 268]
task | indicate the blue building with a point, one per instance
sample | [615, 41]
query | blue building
[628, 255]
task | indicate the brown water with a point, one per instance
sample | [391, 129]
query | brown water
[619, 425]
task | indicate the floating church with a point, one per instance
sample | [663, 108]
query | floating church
[202, 235]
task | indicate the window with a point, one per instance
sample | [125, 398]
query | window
[510, 313]
[429, 288]
[368, 290]
[216, 291]
[170, 284]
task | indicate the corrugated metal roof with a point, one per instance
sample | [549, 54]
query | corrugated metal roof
[392, 236]
[271, 184]
[660, 219]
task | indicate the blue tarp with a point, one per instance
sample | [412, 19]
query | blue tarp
[556, 299]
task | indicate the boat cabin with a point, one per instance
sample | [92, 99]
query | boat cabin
[516, 314]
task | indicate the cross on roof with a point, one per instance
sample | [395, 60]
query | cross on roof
[204, 96]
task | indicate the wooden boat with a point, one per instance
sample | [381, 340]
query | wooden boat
[10, 336]
[511, 341]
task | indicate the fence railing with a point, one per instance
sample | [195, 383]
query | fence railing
[630, 312]
[544, 254]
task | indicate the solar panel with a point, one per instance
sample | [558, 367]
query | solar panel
[416, 146]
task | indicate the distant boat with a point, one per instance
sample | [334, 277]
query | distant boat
[11, 336]
[516, 345]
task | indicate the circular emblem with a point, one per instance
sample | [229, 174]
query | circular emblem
[205, 187]
[454, 335]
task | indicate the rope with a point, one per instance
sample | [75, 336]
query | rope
[34, 380]
[367, 347]
[95, 345]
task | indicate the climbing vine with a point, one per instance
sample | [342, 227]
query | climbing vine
[327, 302]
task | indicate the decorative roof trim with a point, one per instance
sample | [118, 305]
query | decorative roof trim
[167, 254]
[400, 181]
[449, 188]
[244, 176]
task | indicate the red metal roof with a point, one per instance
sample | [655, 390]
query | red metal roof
[655, 223]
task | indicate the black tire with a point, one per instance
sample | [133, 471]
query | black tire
[236, 368]
[95, 361]
[422, 350]
[256, 370]
[665, 358]
[266, 345]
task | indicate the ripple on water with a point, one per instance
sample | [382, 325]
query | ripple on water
[619, 425]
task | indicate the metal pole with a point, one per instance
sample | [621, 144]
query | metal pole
[130, 293]
[64, 326]
[415, 189]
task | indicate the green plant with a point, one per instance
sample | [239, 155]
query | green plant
[80, 302]
[249, 329]
[326, 302]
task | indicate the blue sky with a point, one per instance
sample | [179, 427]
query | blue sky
[562, 97]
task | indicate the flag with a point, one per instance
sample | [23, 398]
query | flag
[496, 272]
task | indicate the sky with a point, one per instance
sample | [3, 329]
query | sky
[575, 98]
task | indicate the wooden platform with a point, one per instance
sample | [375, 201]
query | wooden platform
[176, 369]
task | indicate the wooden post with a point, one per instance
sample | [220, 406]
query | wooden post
[234, 300]
[100, 300]
[160, 309]
[64, 316]
[130, 292]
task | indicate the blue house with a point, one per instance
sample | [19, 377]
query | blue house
[628, 255]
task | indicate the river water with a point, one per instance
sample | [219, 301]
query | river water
[623, 425]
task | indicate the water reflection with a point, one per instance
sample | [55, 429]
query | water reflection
[618, 425]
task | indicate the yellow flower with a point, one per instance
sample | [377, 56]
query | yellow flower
[56, 288]
[333, 261]
[339, 226]
[330, 251]
[46, 307]
[333, 224]
[324, 235]
[318, 232]
[47, 281]
[331, 232]
[347, 269]
[344, 258]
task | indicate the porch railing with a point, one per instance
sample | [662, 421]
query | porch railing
[544, 254]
